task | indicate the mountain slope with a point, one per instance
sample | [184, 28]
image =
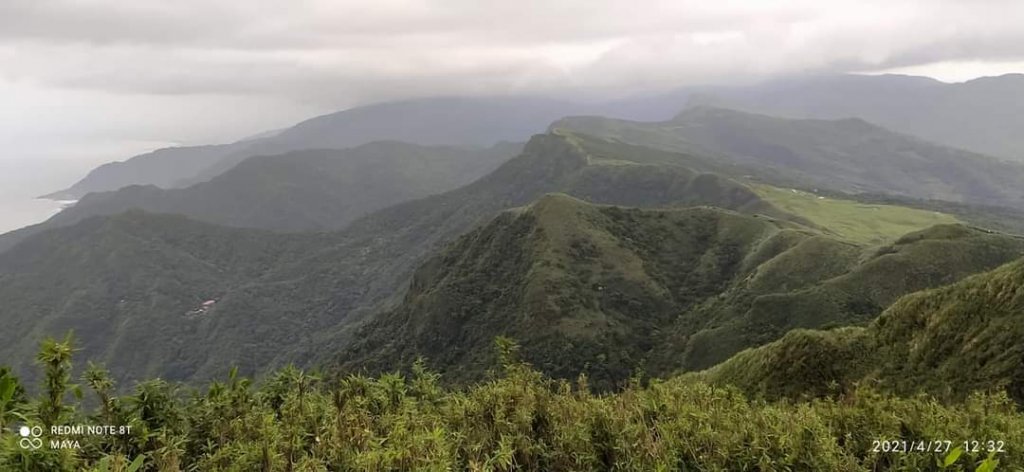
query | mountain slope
[860, 221]
[984, 115]
[770, 305]
[947, 342]
[607, 290]
[476, 122]
[162, 168]
[848, 155]
[569, 280]
[129, 287]
[312, 190]
[284, 298]
[385, 248]
[300, 304]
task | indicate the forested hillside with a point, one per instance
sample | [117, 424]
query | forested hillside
[300, 305]
[606, 290]
[133, 287]
[947, 342]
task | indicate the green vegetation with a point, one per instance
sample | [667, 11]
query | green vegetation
[797, 289]
[947, 342]
[755, 313]
[575, 282]
[606, 290]
[518, 420]
[847, 155]
[1002, 219]
[129, 285]
[792, 327]
[683, 289]
[855, 221]
[310, 190]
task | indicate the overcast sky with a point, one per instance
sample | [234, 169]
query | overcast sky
[98, 80]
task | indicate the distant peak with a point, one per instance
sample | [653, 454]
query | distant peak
[1014, 77]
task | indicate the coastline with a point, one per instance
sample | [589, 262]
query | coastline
[19, 212]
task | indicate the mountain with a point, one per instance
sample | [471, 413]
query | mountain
[138, 281]
[871, 222]
[947, 342]
[383, 250]
[310, 190]
[984, 115]
[848, 155]
[162, 168]
[569, 280]
[467, 122]
[607, 290]
[295, 297]
[781, 298]
[131, 287]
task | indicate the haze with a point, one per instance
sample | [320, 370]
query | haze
[100, 80]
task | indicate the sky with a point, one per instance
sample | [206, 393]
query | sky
[89, 81]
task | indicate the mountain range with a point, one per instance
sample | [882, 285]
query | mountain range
[455, 121]
[297, 303]
[983, 115]
[311, 190]
[189, 299]
[606, 289]
[849, 155]
[790, 256]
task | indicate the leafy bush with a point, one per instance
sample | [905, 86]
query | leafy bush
[519, 420]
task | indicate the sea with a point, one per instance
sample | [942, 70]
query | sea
[18, 212]
[21, 182]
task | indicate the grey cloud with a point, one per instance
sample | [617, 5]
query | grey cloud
[360, 51]
[280, 57]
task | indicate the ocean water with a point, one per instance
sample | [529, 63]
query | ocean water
[22, 180]
[20, 211]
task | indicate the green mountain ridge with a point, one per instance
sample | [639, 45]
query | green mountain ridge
[947, 342]
[311, 190]
[563, 277]
[750, 315]
[615, 289]
[848, 155]
[303, 303]
[386, 247]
